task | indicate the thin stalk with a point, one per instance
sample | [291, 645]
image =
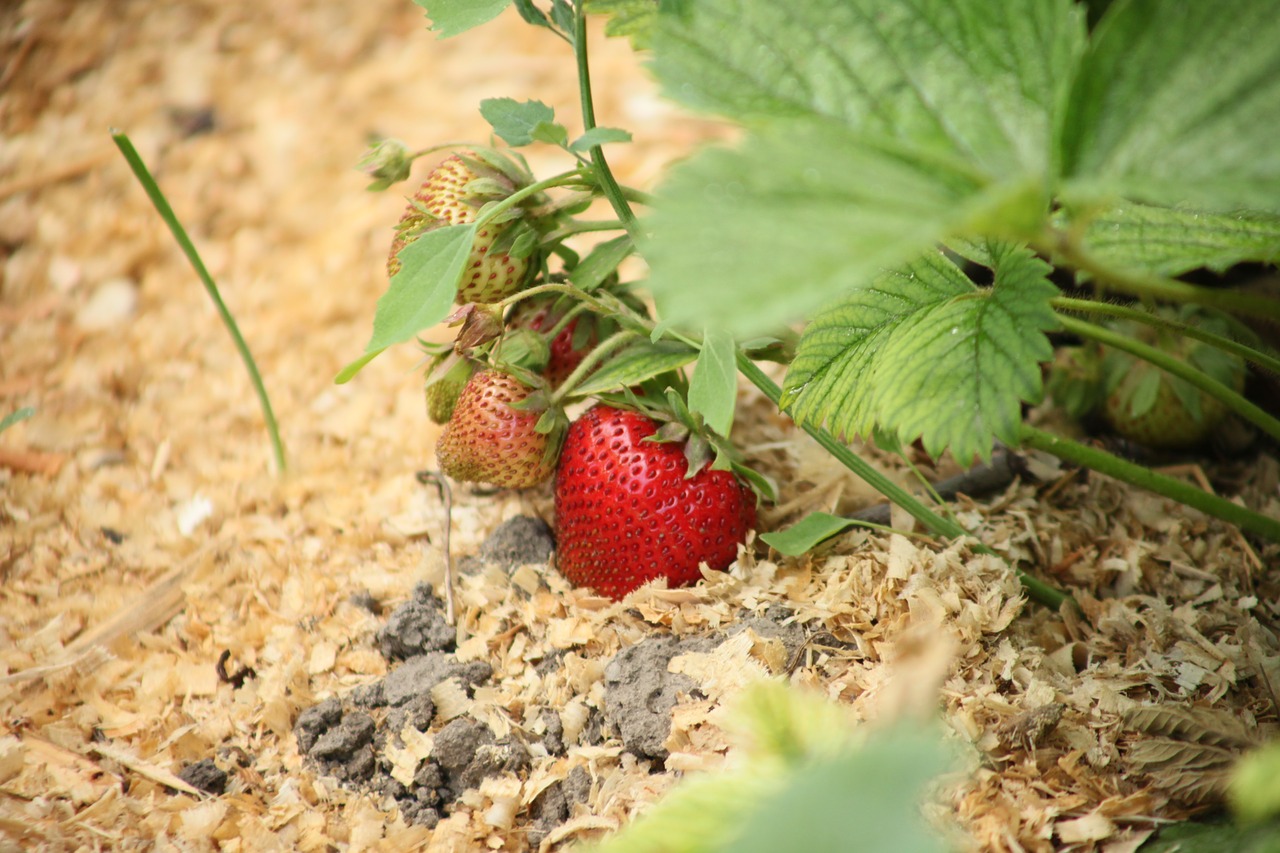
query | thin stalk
[581, 228]
[608, 184]
[162, 206]
[1138, 475]
[563, 179]
[1236, 402]
[1036, 589]
[1123, 312]
[589, 363]
[1153, 286]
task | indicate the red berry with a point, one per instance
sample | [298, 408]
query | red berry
[626, 514]
[487, 441]
[539, 316]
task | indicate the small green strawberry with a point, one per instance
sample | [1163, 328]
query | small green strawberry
[487, 440]
[442, 392]
[1148, 406]
[627, 512]
[452, 194]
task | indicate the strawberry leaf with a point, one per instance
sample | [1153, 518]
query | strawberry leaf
[805, 534]
[1172, 241]
[421, 293]
[1178, 103]
[923, 352]
[598, 136]
[713, 390]
[553, 133]
[451, 17]
[631, 18]
[736, 234]
[633, 365]
[601, 262]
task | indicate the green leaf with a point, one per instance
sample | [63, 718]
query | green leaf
[599, 136]
[1179, 103]
[804, 211]
[633, 19]
[636, 363]
[982, 79]
[550, 132]
[514, 120]
[421, 293]
[713, 389]
[801, 537]
[925, 353]
[864, 800]
[1215, 837]
[16, 417]
[600, 264]
[1171, 241]
[450, 17]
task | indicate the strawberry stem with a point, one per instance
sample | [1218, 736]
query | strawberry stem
[1181, 369]
[1067, 248]
[608, 184]
[564, 179]
[590, 362]
[1138, 475]
[1036, 589]
[1088, 306]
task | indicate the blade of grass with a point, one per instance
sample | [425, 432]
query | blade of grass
[158, 199]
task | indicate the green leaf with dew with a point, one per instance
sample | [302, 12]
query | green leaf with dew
[924, 352]
[1178, 104]
[1171, 241]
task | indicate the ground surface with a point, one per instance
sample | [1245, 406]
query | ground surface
[145, 537]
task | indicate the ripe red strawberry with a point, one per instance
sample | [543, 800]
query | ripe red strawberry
[626, 514]
[487, 441]
[540, 315]
[445, 199]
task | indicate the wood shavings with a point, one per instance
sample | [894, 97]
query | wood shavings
[121, 592]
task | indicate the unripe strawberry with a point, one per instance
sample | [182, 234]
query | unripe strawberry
[487, 441]
[452, 194]
[1148, 406]
[442, 392]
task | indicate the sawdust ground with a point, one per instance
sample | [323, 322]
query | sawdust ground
[144, 534]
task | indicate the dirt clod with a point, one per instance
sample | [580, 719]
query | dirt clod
[519, 541]
[639, 692]
[206, 776]
[416, 627]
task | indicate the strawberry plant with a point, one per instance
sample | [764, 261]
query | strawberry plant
[930, 194]
[926, 202]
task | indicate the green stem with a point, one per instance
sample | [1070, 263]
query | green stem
[1138, 475]
[1236, 402]
[580, 228]
[1124, 312]
[1036, 589]
[590, 362]
[569, 178]
[158, 199]
[562, 289]
[1070, 252]
[608, 184]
